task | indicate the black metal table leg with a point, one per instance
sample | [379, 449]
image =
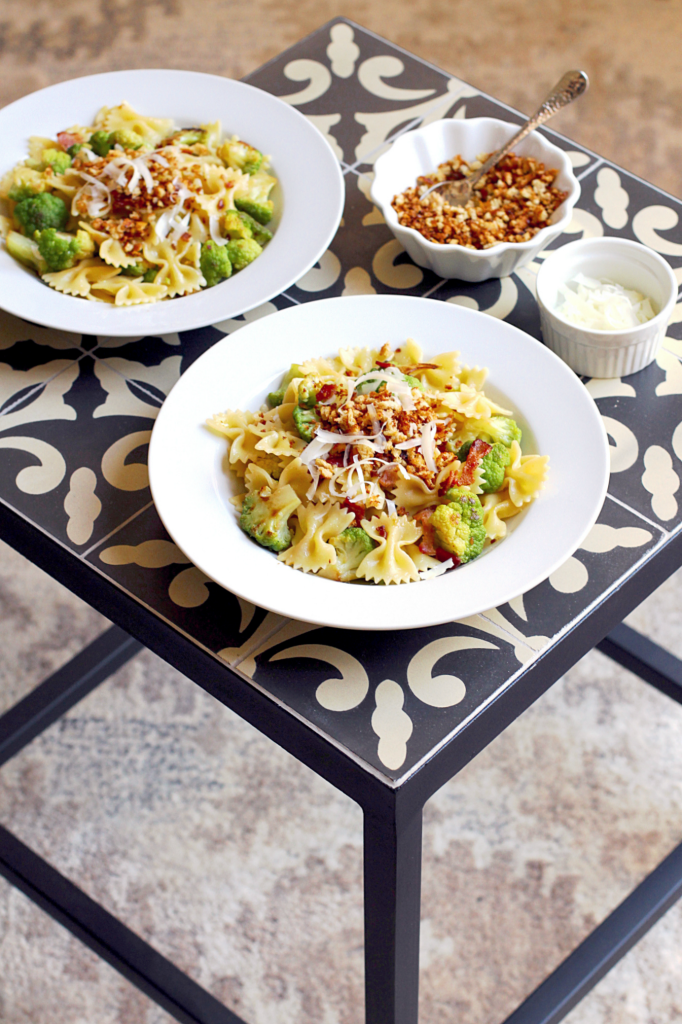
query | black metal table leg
[392, 859]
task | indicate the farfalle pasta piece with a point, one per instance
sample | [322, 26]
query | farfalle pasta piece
[526, 475]
[496, 508]
[281, 443]
[79, 279]
[413, 494]
[316, 524]
[126, 291]
[297, 476]
[151, 129]
[389, 562]
[112, 252]
[256, 478]
[178, 277]
[468, 402]
[447, 371]
[357, 360]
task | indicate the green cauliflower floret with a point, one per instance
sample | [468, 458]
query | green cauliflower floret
[260, 211]
[307, 393]
[35, 213]
[237, 224]
[187, 137]
[242, 251]
[458, 525]
[76, 148]
[101, 142]
[215, 262]
[242, 156]
[26, 251]
[277, 397]
[60, 250]
[492, 465]
[57, 159]
[501, 429]
[127, 138]
[20, 191]
[142, 270]
[264, 516]
[306, 420]
[258, 231]
[351, 546]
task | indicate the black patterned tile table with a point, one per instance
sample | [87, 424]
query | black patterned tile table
[387, 718]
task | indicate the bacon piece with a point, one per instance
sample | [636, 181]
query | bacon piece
[478, 451]
[325, 392]
[357, 510]
[67, 139]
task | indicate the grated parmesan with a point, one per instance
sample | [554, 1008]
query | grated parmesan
[602, 304]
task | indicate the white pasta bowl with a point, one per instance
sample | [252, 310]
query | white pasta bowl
[308, 199]
[420, 151]
[192, 486]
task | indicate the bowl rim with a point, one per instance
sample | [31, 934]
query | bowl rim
[208, 306]
[625, 333]
[552, 230]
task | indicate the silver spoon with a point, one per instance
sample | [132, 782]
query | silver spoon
[568, 88]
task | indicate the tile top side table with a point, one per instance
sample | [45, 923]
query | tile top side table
[360, 709]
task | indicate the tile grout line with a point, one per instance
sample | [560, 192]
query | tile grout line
[640, 515]
[43, 384]
[102, 540]
[588, 170]
[553, 640]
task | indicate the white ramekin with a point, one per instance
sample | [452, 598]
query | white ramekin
[422, 150]
[606, 353]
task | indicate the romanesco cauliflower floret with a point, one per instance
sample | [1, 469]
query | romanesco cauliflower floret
[35, 213]
[351, 546]
[501, 429]
[242, 251]
[458, 525]
[60, 251]
[57, 159]
[215, 263]
[264, 516]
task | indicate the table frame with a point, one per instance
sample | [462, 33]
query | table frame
[392, 814]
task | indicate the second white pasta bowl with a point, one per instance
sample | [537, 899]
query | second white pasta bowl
[308, 198]
[419, 152]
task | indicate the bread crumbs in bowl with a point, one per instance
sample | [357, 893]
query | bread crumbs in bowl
[519, 207]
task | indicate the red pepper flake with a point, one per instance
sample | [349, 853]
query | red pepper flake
[221, 204]
[381, 530]
[357, 510]
[385, 366]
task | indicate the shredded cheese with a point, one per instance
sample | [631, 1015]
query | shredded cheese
[603, 305]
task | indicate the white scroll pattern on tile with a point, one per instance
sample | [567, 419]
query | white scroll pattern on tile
[230, 326]
[118, 473]
[322, 276]
[625, 450]
[391, 724]
[503, 305]
[662, 482]
[672, 385]
[372, 72]
[392, 274]
[612, 198]
[48, 404]
[44, 477]
[573, 575]
[314, 73]
[188, 589]
[81, 505]
[442, 691]
[648, 222]
[342, 51]
[333, 694]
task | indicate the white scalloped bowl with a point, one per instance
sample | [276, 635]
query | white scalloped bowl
[310, 192]
[422, 150]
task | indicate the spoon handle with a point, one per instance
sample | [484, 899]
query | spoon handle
[568, 88]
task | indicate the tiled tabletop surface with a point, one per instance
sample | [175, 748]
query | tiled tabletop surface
[76, 415]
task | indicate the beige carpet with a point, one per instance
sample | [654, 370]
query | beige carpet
[237, 863]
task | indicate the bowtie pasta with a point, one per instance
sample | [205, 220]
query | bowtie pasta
[133, 210]
[378, 466]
